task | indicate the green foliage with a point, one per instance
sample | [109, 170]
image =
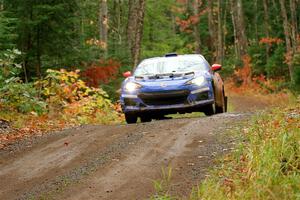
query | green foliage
[162, 187]
[14, 94]
[159, 35]
[46, 32]
[258, 58]
[276, 66]
[228, 67]
[8, 33]
[296, 65]
[22, 97]
[8, 66]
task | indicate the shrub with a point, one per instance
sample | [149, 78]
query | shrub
[14, 94]
[24, 98]
[70, 96]
[92, 109]
[9, 68]
[62, 87]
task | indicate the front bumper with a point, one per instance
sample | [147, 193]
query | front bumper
[177, 101]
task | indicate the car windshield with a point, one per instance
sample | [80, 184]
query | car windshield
[171, 66]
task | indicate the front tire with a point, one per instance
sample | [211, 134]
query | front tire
[209, 110]
[223, 107]
[145, 119]
[130, 118]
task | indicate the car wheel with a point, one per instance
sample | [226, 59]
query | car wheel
[222, 108]
[209, 110]
[130, 118]
[226, 103]
[145, 119]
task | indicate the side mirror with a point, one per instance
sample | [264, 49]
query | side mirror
[216, 67]
[127, 74]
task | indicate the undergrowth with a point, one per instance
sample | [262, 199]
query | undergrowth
[59, 100]
[267, 166]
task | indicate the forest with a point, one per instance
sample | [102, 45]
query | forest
[55, 34]
[53, 51]
[62, 130]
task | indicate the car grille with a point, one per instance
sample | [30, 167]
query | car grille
[165, 98]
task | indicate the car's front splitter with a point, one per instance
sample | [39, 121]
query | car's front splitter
[171, 108]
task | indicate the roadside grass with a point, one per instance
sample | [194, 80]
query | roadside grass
[265, 165]
[163, 186]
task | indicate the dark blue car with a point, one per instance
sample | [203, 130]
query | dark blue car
[172, 84]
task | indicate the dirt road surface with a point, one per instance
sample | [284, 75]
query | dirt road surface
[118, 162]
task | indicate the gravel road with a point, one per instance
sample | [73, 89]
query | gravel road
[117, 162]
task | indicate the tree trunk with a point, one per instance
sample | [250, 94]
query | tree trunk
[103, 20]
[212, 27]
[27, 45]
[236, 40]
[139, 32]
[38, 53]
[194, 11]
[267, 25]
[256, 22]
[239, 28]
[224, 30]
[132, 25]
[220, 34]
[115, 23]
[294, 31]
[26, 49]
[287, 33]
[118, 16]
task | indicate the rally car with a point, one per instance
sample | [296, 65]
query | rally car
[172, 84]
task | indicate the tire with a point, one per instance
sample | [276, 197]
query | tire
[130, 118]
[222, 108]
[226, 103]
[209, 110]
[145, 119]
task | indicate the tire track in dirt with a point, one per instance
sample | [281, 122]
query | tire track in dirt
[132, 177]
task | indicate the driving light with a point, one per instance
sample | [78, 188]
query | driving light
[130, 87]
[197, 81]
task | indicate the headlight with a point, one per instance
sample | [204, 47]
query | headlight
[197, 81]
[130, 87]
